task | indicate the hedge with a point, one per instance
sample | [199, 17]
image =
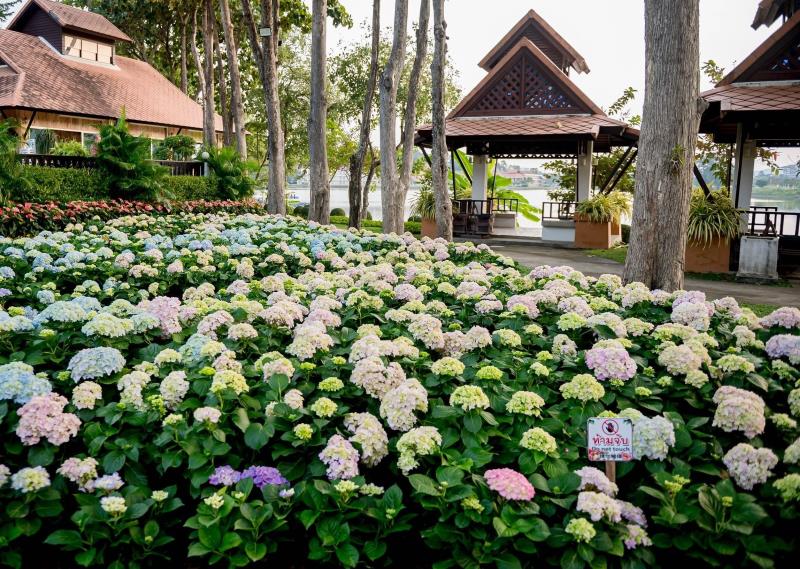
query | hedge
[73, 184]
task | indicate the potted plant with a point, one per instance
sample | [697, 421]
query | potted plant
[424, 207]
[713, 223]
[598, 220]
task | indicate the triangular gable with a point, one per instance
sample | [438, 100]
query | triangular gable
[525, 82]
[533, 27]
[776, 59]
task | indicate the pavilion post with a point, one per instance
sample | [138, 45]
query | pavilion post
[584, 179]
[480, 176]
[743, 173]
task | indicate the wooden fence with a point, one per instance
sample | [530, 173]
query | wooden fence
[177, 168]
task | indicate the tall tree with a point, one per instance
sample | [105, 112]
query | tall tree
[237, 104]
[184, 55]
[209, 120]
[410, 116]
[319, 209]
[444, 208]
[198, 61]
[7, 8]
[388, 118]
[222, 90]
[671, 117]
[357, 159]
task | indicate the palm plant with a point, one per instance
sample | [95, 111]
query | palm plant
[232, 174]
[125, 161]
[44, 141]
[604, 208]
[69, 148]
[713, 216]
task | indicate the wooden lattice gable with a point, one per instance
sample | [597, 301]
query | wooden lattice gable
[525, 82]
[777, 59]
[533, 27]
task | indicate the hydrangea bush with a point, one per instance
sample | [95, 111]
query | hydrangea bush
[245, 388]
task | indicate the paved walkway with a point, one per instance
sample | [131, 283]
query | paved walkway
[532, 255]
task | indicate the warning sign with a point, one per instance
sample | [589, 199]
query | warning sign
[610, 439]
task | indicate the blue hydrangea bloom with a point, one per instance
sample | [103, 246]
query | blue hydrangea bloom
[92, 363]
[18, 382]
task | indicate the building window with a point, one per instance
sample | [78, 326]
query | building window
[89, 141]
[88, 49]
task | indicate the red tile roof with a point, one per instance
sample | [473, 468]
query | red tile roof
[76, 19]
[45, 80]
[755, 97]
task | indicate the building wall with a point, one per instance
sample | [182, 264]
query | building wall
[38, 23]
[82, 125]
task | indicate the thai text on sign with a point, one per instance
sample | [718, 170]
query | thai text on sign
[610, 439]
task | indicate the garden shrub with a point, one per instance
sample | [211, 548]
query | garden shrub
[12, 175]
[338, 212]
[177, 147]
[230, 172]
[69, 148]
[244, 389]
[78, 184]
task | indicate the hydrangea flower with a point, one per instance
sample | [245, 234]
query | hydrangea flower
[583, 387]
[264, 476]
[93, 363]
[341, 458]
[749, 466]
[30, 479]
[469, 397]
[399, 404]
[225, 476]
[594, 479]
[420, 441]
[19, 383]
[525, 403]
[599, 506]
[43, 417]
[609, 360]
[510, 484]
[581, 530]
[538, 439]
[739, 410]
[369, 434]
[789, 487]
[449, 367]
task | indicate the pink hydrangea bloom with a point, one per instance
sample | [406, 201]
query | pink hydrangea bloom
[510, 484]
[43, 417]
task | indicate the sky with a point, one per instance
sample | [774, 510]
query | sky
[609, 34]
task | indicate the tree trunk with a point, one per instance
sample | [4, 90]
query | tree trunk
[276, 189]
[209, 118]
[373, 165]
[198, 62]
[670, 120]
[444, 207]
[237, 106]
[184, 59]
[410, 118]
[227, 128]
[357, 159]
[319, 209]
[388, 119]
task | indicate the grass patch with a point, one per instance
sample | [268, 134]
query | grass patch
[759, 309]
[617, 254]
[414, 227]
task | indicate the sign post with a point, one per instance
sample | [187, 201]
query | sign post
[610, 439]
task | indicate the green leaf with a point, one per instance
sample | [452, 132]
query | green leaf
[240, 419]
[450, 475]
[255, 551]
[85, 558]
[198, 550]
[255, 437]
[71, 539]
[41, 455]
[348, 555]
[229, 541]
[502, 529]
[113, 461]
[308, 517]
[424, 485]
[374, 549]
[473, 422]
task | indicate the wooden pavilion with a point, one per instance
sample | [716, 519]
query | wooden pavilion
[758, 105]
[527, 107]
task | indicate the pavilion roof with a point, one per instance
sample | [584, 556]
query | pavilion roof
[770, 10]
[538, 31]
[762, 92]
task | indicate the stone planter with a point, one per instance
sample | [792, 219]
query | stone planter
[428, 228]
[713, 257]
[758, 258]
[590, 235]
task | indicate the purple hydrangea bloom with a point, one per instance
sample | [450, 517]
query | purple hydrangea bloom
[264, 475]
[225, 476]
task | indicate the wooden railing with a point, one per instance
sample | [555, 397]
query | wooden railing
[484, 207]
[559, 210]
[765, 221]
[177, 168]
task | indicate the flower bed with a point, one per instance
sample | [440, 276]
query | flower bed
[250, 388]
[29, 218]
